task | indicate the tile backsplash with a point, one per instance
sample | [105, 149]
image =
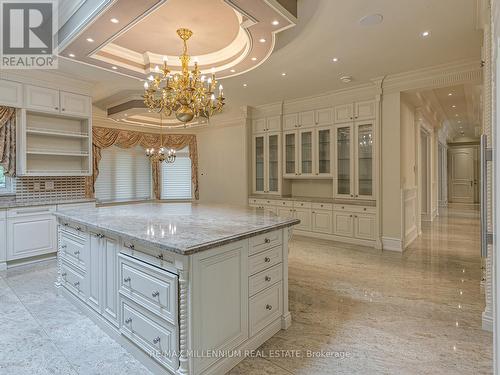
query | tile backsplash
[49, 188]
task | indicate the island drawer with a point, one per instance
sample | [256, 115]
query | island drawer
[74, 229]
[354, 208]
[265, 241]
[153, 335]
[260, 262]
[322, 206]
[73, 248]
[149, 286]
[73, 280]
[264, 279]
[265, 307]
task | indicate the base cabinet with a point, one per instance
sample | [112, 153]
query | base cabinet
[322, 221]
[3, 239]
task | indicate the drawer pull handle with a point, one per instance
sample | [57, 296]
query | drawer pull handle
[156, 340]
[64, 246]
[160, 256]
[155, 294]
[65, 224]
[79, 228]
[269, 307]
[267, 278]
[267, 240]
[267, 259]
[76, 284]
[130, 246]
[128, 320]
[63, 274]
[100, 235]
[127, 279]
[76, 252]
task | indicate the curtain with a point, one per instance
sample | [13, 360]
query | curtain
[107, 137]
[8, 140]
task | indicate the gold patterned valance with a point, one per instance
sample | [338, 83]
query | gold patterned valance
[8, 140]
[107, 137]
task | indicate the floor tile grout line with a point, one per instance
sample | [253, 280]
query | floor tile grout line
[277, 365]
[41, 327]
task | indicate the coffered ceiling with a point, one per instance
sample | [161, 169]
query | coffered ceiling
[302, 59]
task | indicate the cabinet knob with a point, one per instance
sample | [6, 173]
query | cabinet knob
[267, 278]
[352, 195]
[267, 259]
[267, 240]
[155, 294]
[56, 108]
[79, 228]
[63, 274]
[127, 279]
[269, 307]
[356, 195]
[313, 212]
[64, 246]
[63, 109]
[76, 252]
[160, 256]
[128, 320]
[350, 215]
[156, 340]
[65, 224]
[76, 284]
[130, 246]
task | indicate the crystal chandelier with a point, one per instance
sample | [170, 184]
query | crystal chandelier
[188, 94]
[161, 155]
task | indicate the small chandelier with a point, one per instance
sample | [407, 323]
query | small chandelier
[188, 94]
[161, 155]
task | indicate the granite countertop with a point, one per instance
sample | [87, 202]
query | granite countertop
[12, 203]
[354, 202]
[183, 228]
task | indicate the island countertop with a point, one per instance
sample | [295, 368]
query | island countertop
[183, 228]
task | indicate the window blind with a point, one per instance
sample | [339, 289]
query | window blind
[124, 175]
[176, 177]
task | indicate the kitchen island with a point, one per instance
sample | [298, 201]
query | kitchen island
[187, 288]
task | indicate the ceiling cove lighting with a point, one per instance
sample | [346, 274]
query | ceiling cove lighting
[425, 34]
[188, 94]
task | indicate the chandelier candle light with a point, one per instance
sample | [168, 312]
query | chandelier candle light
[161, 155]
[189, 95]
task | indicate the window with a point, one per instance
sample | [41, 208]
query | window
[124, 175]
[5, 183]
[176, 177]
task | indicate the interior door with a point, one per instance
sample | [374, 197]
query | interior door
[462, 175]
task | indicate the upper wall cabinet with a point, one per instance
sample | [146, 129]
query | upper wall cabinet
[43, 99]
[308, 119]
[359, 111]
[267, 163]
[267, 124]
[11, 94]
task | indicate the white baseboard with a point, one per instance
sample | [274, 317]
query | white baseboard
[392, 244]
[411, 236]
[332, 237]
[487, 322]
[3, 266]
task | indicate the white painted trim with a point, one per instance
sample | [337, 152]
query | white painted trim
[334, 238]
[392, 244]
[487, 322]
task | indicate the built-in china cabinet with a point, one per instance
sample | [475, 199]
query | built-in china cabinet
[266, 148]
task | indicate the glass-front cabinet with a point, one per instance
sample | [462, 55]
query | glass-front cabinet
[306, 153]
[290, 154]
[267, 163]
[324, 151]
[354, 160]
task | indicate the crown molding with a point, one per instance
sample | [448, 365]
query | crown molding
[456, 73]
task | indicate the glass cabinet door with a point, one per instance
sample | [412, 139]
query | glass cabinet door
[324, 157]
[290, 153]
[273, 163]
[306, 152]
[365, 160]
[259, 163]
[344, 161]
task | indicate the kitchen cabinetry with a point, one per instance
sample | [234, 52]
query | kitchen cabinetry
[42, 99]
[354, 221]
[267, 163]
[359, 111]
[3, 239]
[267, 124]
[11, 94]
[354, 160]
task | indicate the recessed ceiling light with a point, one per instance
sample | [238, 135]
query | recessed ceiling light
[450, 94]
[426, 34]
[262, 40]
[71, 55]
[453, 106]
[335, 59]
[125, 114]
[232, 71]
[114, 67]
[254, 58]
[456, 115]
[90, 40]
[371, 20]
[114, 20]
[245, 85]
[283, 74]
[275, 23]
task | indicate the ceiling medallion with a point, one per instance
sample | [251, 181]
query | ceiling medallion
[189, 95]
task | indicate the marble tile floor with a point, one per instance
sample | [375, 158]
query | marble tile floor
[359, 310]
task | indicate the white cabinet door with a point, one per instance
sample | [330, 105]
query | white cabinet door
[75, 104]
[94, 272]
[306, 152]
[364, 227]
[109, 279]
[324, 116]
[322, 221]
[290, 154]
[220, 300]
[304, 215]
[41, 99]
[343, 224]
[324, 151]
[3, 239]
[11, 94]
[365, 110]
[259, 125]
[344, 113]
[307, 119]
[273, 124]
[344, 163]
[285, 212]
[364, 160]
[31, 235]
[291, 121]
